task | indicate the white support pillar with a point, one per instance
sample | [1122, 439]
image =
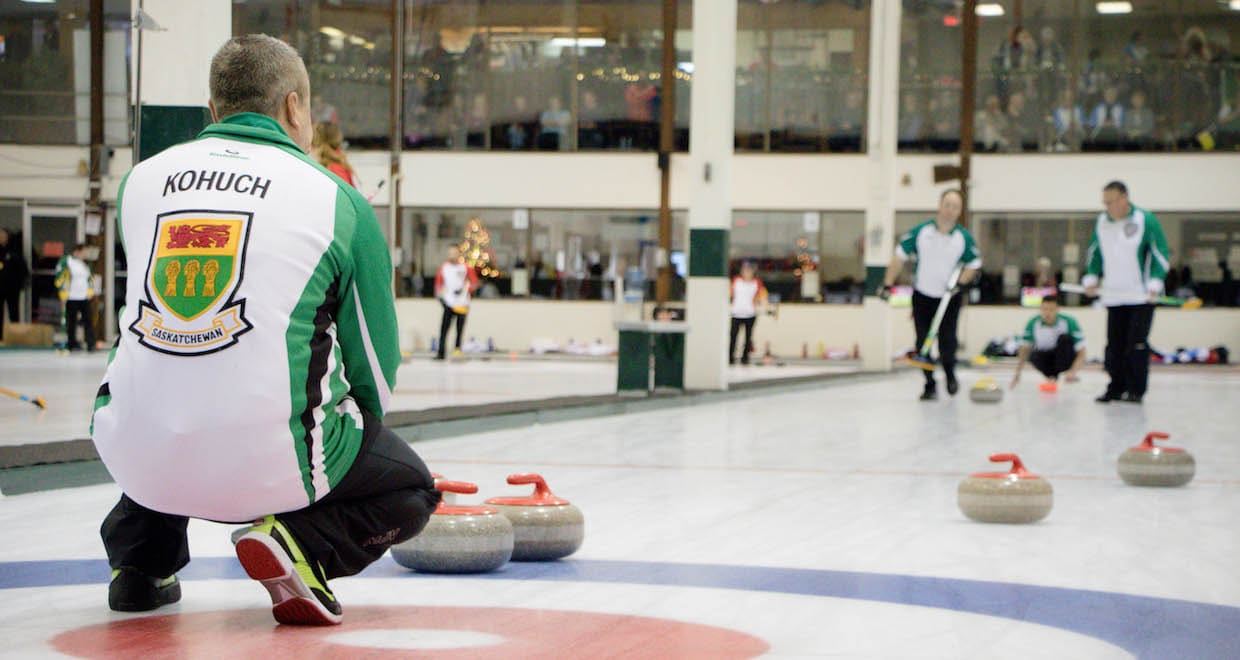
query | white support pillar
[710, 197]
[882, 130]
[176, 58]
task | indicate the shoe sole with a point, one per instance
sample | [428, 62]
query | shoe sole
[292, 602]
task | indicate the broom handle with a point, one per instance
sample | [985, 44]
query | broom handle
[941, 311]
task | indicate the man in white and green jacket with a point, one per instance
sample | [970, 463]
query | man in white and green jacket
[257, 357]
[938, 247]
[1128, 253]
[1053, 343]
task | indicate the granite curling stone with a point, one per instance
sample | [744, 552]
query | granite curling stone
[986, 390]
[545, 527]
[1151, 465]
[458, 539]
[1016, 496]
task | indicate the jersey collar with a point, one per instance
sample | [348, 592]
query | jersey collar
[250, 125]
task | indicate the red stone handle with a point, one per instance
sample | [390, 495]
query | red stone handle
[540, 484]
[463, 487]
[541, 492]
[1149, 438]
[1018, 467]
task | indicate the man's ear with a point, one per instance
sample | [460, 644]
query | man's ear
[292, 101]
[215, 116]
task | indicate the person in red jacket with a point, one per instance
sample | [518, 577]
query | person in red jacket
[454, 283]
[746, 292]
[328, 149]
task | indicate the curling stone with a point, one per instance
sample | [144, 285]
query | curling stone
[545, 526]
[1149, 465]
[1048, 387]
[1016, 496]
[986, 390]
[458, 539]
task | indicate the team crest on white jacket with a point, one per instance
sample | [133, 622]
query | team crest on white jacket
[192, 276]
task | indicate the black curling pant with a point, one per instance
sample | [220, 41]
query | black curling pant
[737, 324]
[448, 315]
[1127, 358]
[924, 308]
[1056, 360]
[385, 498]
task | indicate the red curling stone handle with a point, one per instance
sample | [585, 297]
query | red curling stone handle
[1149, 438]
[540, 484]
[463, 487]
[1017, 466]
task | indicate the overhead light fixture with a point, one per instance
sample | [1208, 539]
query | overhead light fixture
[39, 2]
[1234, 5]
[1114, 7]
[989, 9]
[584, 42]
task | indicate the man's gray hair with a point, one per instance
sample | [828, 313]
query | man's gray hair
[253, 73]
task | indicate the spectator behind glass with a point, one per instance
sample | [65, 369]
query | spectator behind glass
[518, 136]
[589, 134]
[438, 61]
[1050, 52]
[328, 149]
[1197, 81]
[638, 98]
[1139, 122]
[1135, 51]
[553, 124]
[1068, 120]
[1107, 119]
[991, 126]
[1229, 124]
[1024, 126]
[1018, 51]
[1017, 55]
[1093, 78]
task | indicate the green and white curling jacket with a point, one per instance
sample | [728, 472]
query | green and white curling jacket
[1130, 257]
[259, 324]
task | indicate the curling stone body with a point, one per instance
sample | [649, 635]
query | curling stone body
[458, 539]
[545, 527]
[1151, 465]
[1017, 496]
[986, 391]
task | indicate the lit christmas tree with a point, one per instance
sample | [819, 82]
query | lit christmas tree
[804, 260]
[476, 250]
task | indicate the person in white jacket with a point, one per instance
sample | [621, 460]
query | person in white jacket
[454, 285]
[747, 293]
[1128, 256]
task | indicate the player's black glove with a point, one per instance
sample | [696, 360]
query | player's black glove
[884, 292]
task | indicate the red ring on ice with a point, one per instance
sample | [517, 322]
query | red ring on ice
[526, 633]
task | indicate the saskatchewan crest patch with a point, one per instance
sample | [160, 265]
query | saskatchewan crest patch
[195, 268]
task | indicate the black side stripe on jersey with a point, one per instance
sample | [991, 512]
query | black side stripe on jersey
[104, 390]
[320, 352]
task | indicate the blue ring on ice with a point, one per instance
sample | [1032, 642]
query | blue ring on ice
[1146, 626]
